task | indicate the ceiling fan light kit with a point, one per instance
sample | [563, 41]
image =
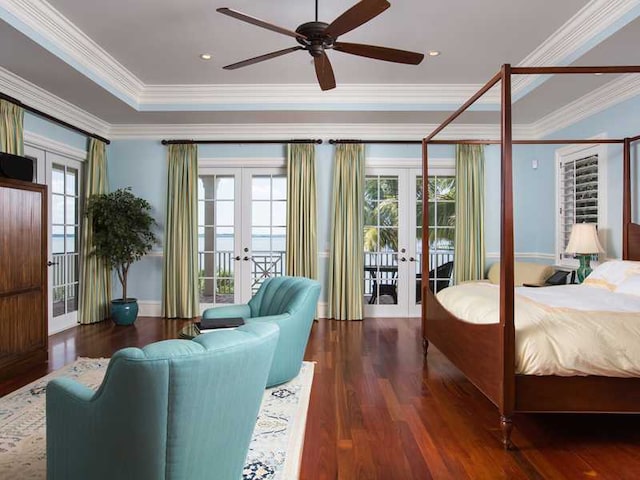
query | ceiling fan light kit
[318, 37]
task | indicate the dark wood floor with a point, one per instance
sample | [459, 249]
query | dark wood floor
[379, 412]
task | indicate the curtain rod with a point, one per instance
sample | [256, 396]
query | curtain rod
[46, 116]
[339, 141]
[238, 142]
[564, 141]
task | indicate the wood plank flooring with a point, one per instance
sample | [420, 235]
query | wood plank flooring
[378, 411]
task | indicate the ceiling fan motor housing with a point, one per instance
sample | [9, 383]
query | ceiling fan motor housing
[317, 40]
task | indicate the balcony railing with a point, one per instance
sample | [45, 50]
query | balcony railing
[388, 275]
[220, 266]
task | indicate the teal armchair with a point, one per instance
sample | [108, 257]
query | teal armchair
[173, 410]
[290, 303]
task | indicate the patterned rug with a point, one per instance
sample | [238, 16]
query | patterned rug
[274, 453]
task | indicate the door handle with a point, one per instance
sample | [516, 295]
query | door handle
[411, 259]
[403, 259]
[51, 264]
[246, 258]
[237, 257]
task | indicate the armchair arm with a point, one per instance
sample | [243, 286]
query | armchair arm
[272, 318]
[62, 389]
[228, 311]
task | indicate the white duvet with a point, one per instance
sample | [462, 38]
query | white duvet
[562, 330]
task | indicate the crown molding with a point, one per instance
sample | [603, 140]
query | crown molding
[45, 143]
[47, 26]
[596, 21]
[617, 91]
[158, 97]
[38, 98]
[41, 22]
[261, 131]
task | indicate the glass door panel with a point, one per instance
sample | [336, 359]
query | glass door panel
[65, 223]
[268, 227]
[217, 239]
[385, 254]
[442, 217]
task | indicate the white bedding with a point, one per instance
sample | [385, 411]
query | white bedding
[562, 330]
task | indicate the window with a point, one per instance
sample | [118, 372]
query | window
[579, 192]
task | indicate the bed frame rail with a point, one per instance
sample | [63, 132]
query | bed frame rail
[478, 353]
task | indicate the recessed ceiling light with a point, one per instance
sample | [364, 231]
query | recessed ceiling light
[434, 53]
[205, 56]
[599, 73]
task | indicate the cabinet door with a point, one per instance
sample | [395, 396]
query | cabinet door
[23, 336]
[21, 233]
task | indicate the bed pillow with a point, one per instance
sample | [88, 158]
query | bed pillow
[613, 273]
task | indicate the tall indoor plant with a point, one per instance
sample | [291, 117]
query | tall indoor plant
[122, 234]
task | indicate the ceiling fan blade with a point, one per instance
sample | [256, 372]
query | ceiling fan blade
[360, 13]
[262, 58]
[259, 23]
[324, 72]
[379, 53]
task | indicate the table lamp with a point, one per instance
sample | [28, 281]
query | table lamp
[584, 242]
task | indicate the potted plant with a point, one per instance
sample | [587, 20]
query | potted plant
[122, 234]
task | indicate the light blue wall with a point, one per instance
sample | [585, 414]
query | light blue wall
[619, 121]
[40, 126]
[142, 165]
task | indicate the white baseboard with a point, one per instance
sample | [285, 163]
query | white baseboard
[61, 328]
[323, 309]
[149, 308]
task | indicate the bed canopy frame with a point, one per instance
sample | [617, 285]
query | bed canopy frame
[486, 353]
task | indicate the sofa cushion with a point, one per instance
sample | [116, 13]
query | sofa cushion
[524, 272]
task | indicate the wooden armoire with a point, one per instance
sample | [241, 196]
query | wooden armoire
[23, 276]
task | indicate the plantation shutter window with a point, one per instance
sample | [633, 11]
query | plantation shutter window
[578, 196]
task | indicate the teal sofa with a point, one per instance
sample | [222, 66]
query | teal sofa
[173, 410]
[290, 303]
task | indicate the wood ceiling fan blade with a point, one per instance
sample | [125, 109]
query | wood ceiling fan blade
[360, 13]
[260, 23]
[379, 53]
[324, 72]
[262, 58]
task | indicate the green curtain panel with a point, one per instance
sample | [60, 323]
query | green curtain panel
[95, 275]
[11, 128]
[469, 256]
[180, 270]
[346, 264]
[302, 241]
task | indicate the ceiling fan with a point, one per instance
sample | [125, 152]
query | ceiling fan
[317, 37]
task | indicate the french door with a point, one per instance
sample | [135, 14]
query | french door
[391, 254]
[393, 238]
[63, 176]
[241, 231]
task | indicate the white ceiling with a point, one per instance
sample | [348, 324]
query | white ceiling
[154, 45]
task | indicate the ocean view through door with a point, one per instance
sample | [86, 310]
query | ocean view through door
[241, 231]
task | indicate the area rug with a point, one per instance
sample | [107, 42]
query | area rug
[274, 453]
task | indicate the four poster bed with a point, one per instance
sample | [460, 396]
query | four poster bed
[486, 352]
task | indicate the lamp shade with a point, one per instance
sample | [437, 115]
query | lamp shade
[584, 239]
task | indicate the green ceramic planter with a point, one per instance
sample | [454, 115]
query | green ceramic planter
[124, 312]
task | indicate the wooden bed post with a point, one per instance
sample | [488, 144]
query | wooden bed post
[507, 330]
[425, 242]
[626, 198]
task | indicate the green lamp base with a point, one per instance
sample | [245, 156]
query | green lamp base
[585, 268]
